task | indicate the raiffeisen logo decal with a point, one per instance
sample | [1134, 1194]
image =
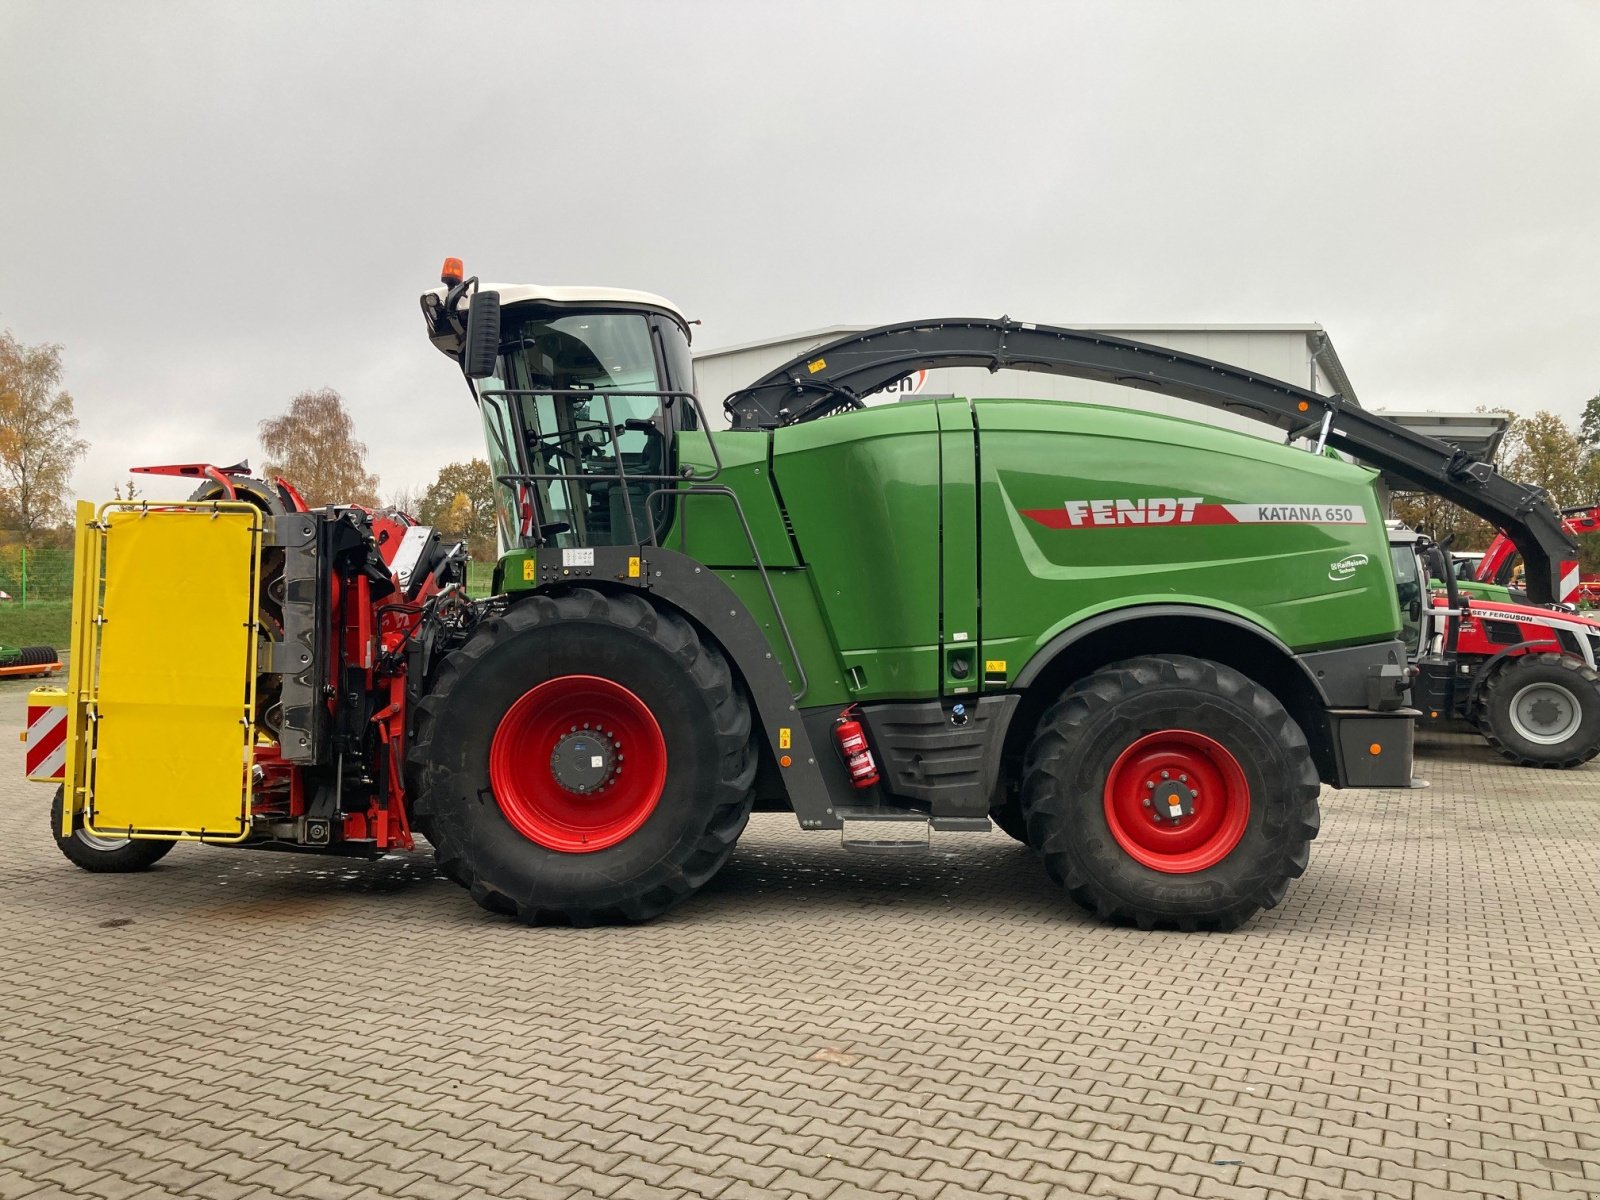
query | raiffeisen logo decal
[1188, 510]
[1346, 567]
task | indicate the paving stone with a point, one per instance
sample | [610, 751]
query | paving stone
[1419, 1018]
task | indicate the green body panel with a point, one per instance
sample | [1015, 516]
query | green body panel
[825, 677]
[1311, 583]
[863, 497]
[958, 515]
[941, 534]
[1476, 590]
[708, 526]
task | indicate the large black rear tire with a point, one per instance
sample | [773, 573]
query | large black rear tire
[1543, 710]
[1008, 818]
[104, 856]
[1171, 792]
[508, 814]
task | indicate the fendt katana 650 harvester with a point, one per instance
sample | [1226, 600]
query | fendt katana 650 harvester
[1137, 643]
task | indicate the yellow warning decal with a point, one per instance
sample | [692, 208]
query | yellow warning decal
[633, 568]
[527, 568]
[994, 666]
[785, 737]
[816, 365]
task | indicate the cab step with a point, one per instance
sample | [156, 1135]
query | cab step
[899, 830]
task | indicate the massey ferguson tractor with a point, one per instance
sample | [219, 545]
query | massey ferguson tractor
[1523, 674]
[1137, 643]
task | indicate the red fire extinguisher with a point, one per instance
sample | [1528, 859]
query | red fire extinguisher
[852, 741]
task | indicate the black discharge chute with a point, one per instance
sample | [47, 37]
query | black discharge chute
[836, 377]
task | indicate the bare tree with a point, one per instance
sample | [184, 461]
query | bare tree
[313, 445]
[39, 442]
[406, 499]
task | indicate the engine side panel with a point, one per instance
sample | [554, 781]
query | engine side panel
[1088, 509]
[862, 493]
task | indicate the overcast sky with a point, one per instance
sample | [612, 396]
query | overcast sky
[212, 206]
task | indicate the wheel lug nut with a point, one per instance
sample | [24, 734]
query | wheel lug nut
[1166, 775]
[1183, 779]
[1147, 801]
[1150, 786]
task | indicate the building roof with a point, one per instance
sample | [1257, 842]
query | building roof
[1479, 434]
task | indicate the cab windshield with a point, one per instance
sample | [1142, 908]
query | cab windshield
[1408, 589]
[579, 396]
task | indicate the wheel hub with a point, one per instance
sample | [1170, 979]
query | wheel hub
[1545, 711]
[1177, 801]
[585, 760]
[556, 764]
[1171, 799]
[1545, 714]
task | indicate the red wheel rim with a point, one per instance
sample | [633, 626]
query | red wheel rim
[539, 764]
[1177, 801]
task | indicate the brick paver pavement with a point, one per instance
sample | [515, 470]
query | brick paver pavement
[1420, 1018]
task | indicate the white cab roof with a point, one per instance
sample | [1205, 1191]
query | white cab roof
[518, 293]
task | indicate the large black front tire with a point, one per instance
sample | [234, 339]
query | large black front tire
[1085, 740]
[104, 856]
[1543, 710]
[704, 721]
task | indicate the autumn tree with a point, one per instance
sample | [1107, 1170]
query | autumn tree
[1589, 425]
[1542, 450]
[39, 442]
[460, 504]
[313, 445]
[1545, 451]
[1440, 519]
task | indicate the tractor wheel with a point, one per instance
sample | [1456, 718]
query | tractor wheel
[1007, 816]
[1171, 792]
[1543, 710]
[104, 855]
[583, 759]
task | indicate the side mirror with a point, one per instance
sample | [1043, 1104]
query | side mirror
[480, 349]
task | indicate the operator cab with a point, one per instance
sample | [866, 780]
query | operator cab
[1407, 549]
[582, 392]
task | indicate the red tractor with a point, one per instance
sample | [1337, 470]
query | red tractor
[1499, 562]
[1523, 674]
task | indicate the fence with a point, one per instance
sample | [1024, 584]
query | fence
[35, 576]
[479, 577]
[45, 576]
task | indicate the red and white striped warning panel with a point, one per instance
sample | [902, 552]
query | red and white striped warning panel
[1189, 510]
[46, 749]
[1570, 582]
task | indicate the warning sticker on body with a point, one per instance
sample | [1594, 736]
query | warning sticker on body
[1188, 510]
[577, 558]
